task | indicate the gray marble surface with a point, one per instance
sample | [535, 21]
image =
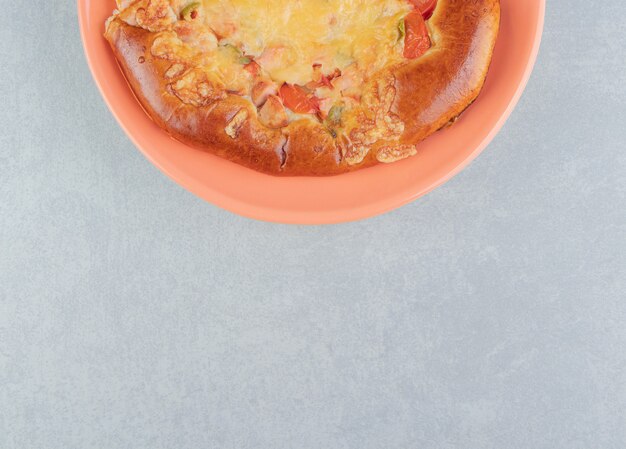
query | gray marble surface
[489, 314]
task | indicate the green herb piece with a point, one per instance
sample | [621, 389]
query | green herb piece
[188, 11]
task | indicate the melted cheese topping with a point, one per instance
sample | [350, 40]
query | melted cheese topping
[286, 37]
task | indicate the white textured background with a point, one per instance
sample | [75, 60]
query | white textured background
[489, 314]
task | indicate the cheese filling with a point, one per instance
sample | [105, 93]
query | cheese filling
[287, 37]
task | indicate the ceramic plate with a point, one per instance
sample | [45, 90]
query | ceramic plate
[335, 199]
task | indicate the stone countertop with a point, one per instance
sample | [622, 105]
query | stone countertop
[489, 314]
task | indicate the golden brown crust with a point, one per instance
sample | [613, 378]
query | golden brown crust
[253, 145]
[408, 103]
[438, 87]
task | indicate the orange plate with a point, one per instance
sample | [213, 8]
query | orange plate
[335, 199]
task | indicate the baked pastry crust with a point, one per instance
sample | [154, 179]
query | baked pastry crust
[399, 106]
